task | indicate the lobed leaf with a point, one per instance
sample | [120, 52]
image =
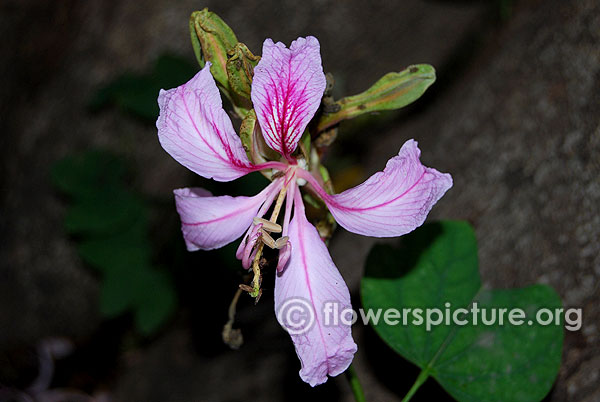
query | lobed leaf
[113, 237]
[438, 264]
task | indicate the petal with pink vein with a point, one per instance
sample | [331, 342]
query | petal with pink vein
[389, 203]
[195, 130]
[286, 91]
[209, 222]
[310, 277]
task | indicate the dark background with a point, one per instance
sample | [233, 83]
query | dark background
[514, 116]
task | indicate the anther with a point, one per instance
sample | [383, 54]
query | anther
[267, 239]
[246, 288]
[281, 242]
[268, 226]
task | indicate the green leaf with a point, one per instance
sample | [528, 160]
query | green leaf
[148, 292]
[106, 213]
[129, 248]
[115, 294]
[85, 176]
[392, 91]
[155, 301]
[111, 221]
[95, 182]
[438, 264]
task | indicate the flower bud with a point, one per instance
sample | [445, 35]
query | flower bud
[253, 142]
[392, 91]
[212, 39]
[240, 69]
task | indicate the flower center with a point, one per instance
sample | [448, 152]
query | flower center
[260, 234]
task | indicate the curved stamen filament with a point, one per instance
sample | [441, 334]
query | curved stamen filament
[285, 251]
[270, 197]
[256, 281]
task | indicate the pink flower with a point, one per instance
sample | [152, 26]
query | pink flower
[286, 92]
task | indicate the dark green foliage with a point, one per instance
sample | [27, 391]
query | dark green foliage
[438, 264]
[110, 224]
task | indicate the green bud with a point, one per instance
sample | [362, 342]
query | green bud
[327, 184]
[253, 142]
[212, 39]
[247, 133]
[392, 91]
[240, 69]
[312, 201]
[304, 145]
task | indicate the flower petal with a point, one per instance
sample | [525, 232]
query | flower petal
[195, 130]
[389, 203]
[209, 222]
[286, 91]
[311, 279]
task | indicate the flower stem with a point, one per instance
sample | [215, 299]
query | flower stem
[423, 375]
[357, 390]
[232, 337]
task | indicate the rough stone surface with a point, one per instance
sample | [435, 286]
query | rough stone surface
[520, 133]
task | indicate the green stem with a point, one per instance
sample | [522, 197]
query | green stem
[359, 395]
[423, 375]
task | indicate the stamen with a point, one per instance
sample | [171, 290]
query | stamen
[271, 194]
[256, 281]
[286, 251]
[267, 226]
[267, 239]
[281, 242]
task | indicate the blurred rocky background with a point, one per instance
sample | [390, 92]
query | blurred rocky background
[514, 116]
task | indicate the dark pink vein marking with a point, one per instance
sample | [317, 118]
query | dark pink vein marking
[331, 200]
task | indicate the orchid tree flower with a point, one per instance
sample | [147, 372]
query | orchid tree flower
[286, 92]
